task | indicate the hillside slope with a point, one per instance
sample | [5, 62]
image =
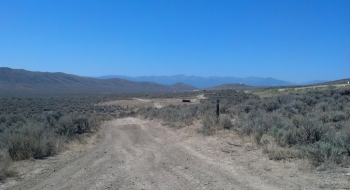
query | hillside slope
[231, 87]
[341, 81]
[205, 82]
[19, 82]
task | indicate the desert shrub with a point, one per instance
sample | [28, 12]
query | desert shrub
[288, 111]
[314, 122]
[30, 141]
[64, 127]
[305, 132]
[276, 152]
[246, 122]
[323, 106]
[258, 135]
[209, 124]
[323, 152]
[322, 116]
[39, 127]
[299, 106]
[244, 127]
[278, 135]
[271, 105]
[309, 99]
[249, 106]
[2, 119]
[73, 125]
[344, 140]
[337, 116]
[175, 116]
[225, 122]
[5, 163]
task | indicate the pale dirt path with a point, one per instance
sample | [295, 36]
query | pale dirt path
[156, 102]
[137, 154]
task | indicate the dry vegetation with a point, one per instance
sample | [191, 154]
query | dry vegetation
[287, 124]
[35, 128]
[309, 123]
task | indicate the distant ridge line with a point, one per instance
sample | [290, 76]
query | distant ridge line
[22, 83]
[205, 82]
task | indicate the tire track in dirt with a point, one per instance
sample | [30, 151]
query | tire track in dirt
[136, 154]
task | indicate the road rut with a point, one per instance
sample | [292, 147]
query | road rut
[132, 153]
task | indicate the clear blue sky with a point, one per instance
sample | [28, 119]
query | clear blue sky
[293, 40]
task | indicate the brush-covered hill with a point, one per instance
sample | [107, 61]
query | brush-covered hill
[231, 87]
[205, 82]
[341, 81]
[22, 83]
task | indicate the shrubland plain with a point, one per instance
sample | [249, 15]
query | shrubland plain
[309, 124]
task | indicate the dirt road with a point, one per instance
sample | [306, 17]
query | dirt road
[132, 153]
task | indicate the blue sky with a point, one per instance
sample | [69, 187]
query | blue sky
[293, 40]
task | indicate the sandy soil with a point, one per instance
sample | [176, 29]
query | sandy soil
[156, 102]
[132, 153]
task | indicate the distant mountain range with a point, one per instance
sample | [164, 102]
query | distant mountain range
[207, 82]
[231, 87]
[21, 83]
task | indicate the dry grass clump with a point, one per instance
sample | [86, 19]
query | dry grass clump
[5, 166]
[280, 153]
[225, 122]
[209, 125]
[212, 123]
[175, 116]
